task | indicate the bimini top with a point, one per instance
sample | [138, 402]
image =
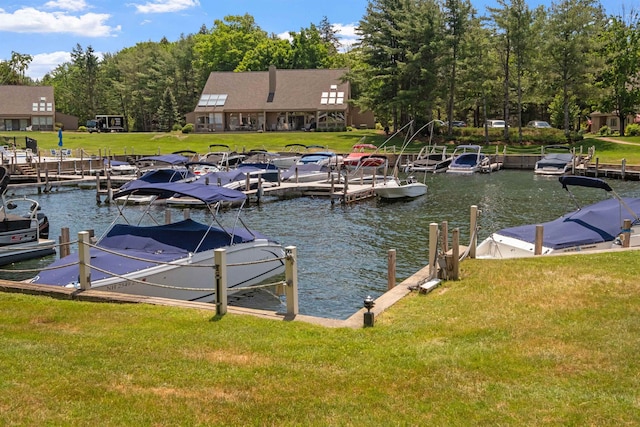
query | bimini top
[172, 159]
[208, 194]
[583, 181]
[596, 223]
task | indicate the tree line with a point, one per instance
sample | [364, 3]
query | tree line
[415, 60]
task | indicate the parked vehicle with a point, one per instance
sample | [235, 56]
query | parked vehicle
[538, 124]
[496, 123]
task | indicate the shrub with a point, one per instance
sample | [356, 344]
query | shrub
[188, 128]
[604, 131]
[633, 129]
[82, 128]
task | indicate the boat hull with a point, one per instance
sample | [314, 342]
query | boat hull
[394, 190]
[191, 278]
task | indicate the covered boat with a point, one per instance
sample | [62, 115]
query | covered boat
[173, 260]
[596, 226]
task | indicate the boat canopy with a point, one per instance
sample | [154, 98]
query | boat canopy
[208, 194]
[583, 181]
[172, 159]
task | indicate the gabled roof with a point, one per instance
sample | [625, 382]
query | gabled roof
[19, 100]
[295, 90]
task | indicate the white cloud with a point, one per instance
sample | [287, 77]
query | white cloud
[44, 63]
[346, 35]
[165, 6]
[30, 20]
[70, 5]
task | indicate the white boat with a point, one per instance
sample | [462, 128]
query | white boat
[431, 159]
[394, 189]
[311, 172]
[222, 156]
[469, 159]
[174, 260]
[23, 236]
[597, 226]
[556, 160]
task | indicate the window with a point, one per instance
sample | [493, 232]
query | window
[34, 106]
[215, 100]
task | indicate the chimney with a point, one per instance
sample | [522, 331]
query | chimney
[272, 83]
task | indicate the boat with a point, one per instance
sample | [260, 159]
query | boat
[311, 172]
[118, 167]
[323, 158]
[223, 156]
[556, 160]
[364, 156]
[174, 260]
[394, 189]
[431, 159]
[290, 156]
[25, 236]
[158, 169]
[593, 227]
[469, 159]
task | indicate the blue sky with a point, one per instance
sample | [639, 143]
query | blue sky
[49, 30]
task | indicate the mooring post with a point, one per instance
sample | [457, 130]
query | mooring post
[167, 216]
[455, 255]
[84, 260]
[433, 248]
[291, 278]
[623, 168]
[626, 233]
[473, 228]
[220, 265]
[391, 269]
[64, 242]
[597, 165]
[445, 236]
[538, 240]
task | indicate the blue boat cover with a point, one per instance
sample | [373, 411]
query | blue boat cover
[556, 159]
[158, 244]
[596, 223]
[172, 159]
[208, 194]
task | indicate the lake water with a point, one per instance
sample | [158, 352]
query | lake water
[342, 250]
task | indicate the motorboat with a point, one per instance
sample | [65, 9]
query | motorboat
[23, 236]
[290, 155]
[364, 156]
[118, 167]
[174, 260]
[223, 156]
[202, 168]
[431, 159]
[593, 227]
[396, 188]
[469, 159]
[158, 169]
[556, 160]
[323, 158]
[311, 172]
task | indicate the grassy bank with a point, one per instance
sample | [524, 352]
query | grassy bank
[154, 143]
[545, 341]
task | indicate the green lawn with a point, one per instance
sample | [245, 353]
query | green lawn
[163, 143]
[544, 341]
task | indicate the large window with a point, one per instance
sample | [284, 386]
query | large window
[212, 100]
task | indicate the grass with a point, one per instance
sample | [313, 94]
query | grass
[163, 143]
[545, 341]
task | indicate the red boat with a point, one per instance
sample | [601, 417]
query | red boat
[364, 156]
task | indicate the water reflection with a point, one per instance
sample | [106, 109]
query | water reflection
[343, 249]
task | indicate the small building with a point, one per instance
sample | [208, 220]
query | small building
[27, 108]
[277, 100]
[611, 120]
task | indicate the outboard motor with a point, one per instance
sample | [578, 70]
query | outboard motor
[43, 225]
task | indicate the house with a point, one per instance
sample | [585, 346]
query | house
[27, 108]
[277, 100]
[611, 120]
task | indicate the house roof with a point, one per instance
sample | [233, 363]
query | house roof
[18, 100]
[295, 90]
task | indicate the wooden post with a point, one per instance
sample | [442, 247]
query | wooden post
[291, 277]
[109, 198]
[445, 236]
[64, 242]
[84, 260]
[391, 269]
[98, 201]
[187, 213]
[167, 216]
[538, 240]
[455, 255]
[220, 261]
[433, 249]
[472, 229]
[626, 233]
[623, 168]
[597, 165]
